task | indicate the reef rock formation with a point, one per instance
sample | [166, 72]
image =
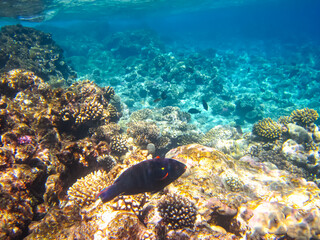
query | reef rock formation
[47, 144]
[219, 197]
[28, 48]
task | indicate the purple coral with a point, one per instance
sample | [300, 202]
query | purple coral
[26, 139]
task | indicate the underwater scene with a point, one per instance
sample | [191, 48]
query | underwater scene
[159, 120]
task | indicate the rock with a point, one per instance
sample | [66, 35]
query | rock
[294, 152]
[299, 134]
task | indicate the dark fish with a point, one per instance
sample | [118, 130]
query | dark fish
[147, 176]
[205, 104]
[163, 95]
[193, 111]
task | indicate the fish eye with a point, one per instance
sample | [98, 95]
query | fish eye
[163, 168]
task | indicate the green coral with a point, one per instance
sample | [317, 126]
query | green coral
[304, 117]
[268, 129]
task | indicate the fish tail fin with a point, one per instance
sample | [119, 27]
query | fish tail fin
[109, 193]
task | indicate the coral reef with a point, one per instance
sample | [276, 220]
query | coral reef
[260, 202]
[27, 48]
[43, 149]
[239, 84]
[144, 132]
[166, 128]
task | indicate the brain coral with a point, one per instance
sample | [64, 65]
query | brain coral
[268, 129]
[304, 117]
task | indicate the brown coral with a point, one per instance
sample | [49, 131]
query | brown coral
[118, 145]
[87, 105]
[90, 110]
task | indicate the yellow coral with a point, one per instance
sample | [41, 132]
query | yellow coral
[304, 116]
[267, 129]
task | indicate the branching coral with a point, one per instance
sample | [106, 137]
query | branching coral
[118, 145]
[143, 132]
[86, 105]
[304, 117]
[268, 129]
[234, 183]
[177, 211]
[83, 191]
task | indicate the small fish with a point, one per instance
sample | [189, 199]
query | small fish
[193, 111]
[147, 176]
[205, 104]
[162, 97]
[35, 18]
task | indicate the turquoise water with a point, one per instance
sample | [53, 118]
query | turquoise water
[264, 55]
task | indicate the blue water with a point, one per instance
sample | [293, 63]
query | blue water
[258, 49]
